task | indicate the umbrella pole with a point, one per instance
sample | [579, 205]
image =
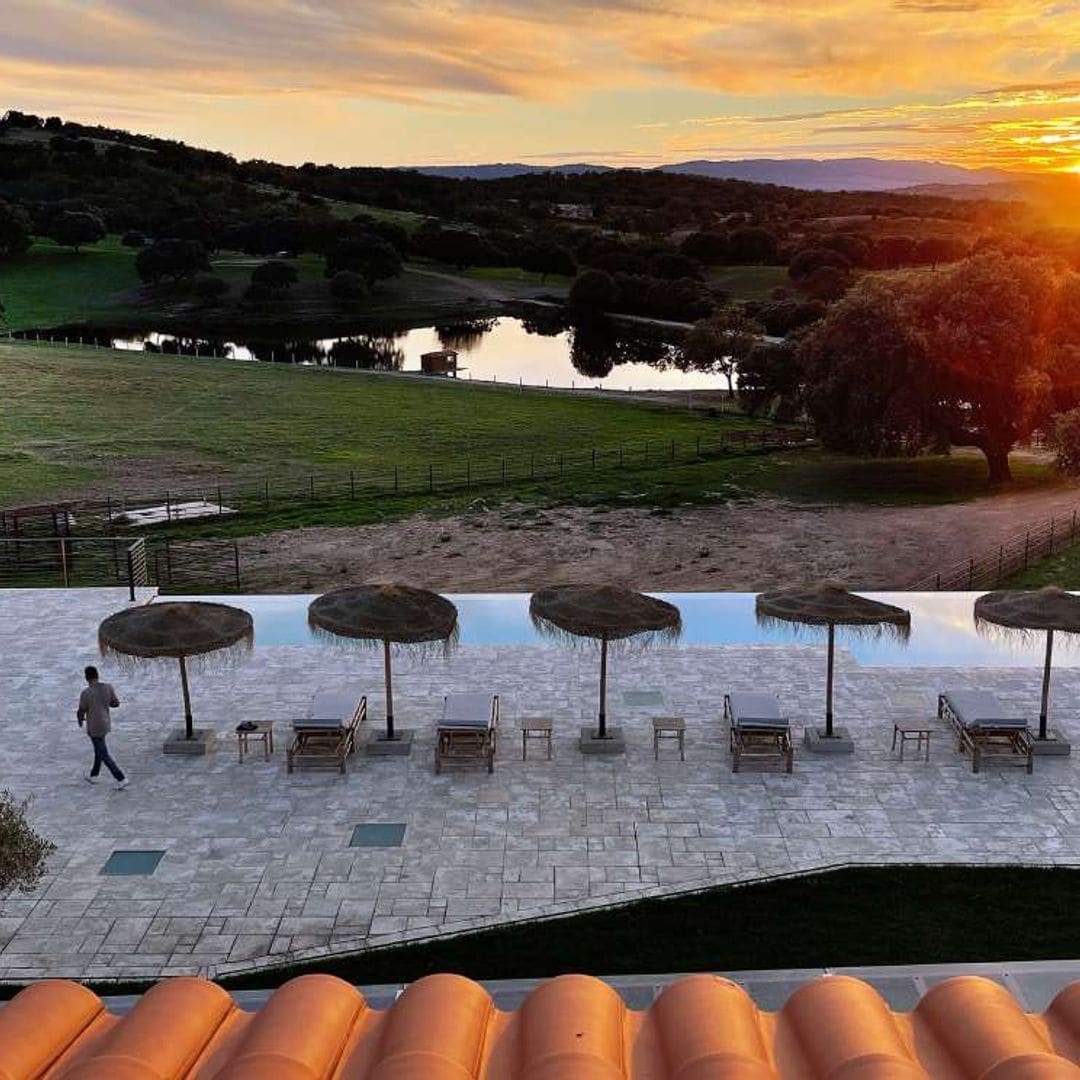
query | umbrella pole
[828, 683]
[1045, 707]
[189, 730]
[389, 690]
[602, 733]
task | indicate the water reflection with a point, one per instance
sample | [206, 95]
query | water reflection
[543, 349]
[943, 630]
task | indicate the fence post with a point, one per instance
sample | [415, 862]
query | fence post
[1001, 562]
[532, 465]
[236, 563]
[646, 451]
[431, 477]
[115, 560]
[672, 449]
[352, 482]
[131, 575]
[971, 572]
[266, 494]
[168, 561]
[560, 465]
[63, 560]
[397, 484]
[1051, 551]
[312, 485]
[220, 504]
[937, 583]
[504, 471]
[1027, 541]
[468, 474]
[168, 507]
[108, 509]
[697, 447]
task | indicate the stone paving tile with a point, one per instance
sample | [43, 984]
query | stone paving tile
[258, 869]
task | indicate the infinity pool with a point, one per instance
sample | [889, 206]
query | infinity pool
[943, 631]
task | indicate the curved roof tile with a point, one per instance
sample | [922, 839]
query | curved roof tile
[571, 1028]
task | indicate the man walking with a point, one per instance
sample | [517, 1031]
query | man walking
[94, 705]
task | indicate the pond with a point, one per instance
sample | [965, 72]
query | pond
[540, 351]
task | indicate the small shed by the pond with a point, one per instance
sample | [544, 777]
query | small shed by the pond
[439, 362]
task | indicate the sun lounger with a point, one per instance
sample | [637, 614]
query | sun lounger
[467, 730]
[985, 727]
[758, 728]
[327, 735]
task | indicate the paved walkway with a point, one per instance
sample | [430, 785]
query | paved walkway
[257, 867]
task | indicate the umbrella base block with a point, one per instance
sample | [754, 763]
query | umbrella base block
[840, 742]
[612, 743]
[203, 741]
[399, 746]
[1052, 746]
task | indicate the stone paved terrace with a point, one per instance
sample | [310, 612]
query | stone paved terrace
[257, 866]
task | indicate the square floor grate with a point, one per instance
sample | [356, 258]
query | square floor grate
[127, 863]
[377, 835]
[643, 697]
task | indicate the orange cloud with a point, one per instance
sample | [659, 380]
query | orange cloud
[914, 68]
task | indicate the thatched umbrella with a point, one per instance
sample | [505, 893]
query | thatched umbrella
[1029, 611]
[607, 613]
[831, 605]
[386, 614]
[177, 630]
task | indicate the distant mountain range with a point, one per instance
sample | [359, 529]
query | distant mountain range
[838, 174]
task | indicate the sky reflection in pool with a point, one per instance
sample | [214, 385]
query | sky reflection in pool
[943, 631]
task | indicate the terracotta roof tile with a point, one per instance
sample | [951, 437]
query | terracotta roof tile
[571, 1028]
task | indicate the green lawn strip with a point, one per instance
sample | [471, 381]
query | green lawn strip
[1062, 569]
[749, 282]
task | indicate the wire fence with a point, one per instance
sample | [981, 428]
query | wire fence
[142, 510]
[94, 561]
[996, 565]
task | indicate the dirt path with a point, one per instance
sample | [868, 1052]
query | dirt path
[750, 545]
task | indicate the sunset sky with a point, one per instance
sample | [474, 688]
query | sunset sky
[973, 82]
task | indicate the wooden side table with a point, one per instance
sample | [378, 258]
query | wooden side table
[535, 727]
[264, 731]
[914, 731]
[668, 727]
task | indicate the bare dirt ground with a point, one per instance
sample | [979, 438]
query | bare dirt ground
[751, 545]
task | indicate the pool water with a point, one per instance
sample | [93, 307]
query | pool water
[943, 631]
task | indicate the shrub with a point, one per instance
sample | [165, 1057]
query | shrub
[209, 287]
[593, 290]
[347, 285]
[133, 239]
[258, 292]
[171, 258]
[275, 274]
[1065, 440]
[23, 852]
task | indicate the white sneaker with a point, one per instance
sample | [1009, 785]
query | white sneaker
[90, 779]
[121, 784]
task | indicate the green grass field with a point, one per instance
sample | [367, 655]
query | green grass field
[153, 422]
[49, 284]
[69, 411]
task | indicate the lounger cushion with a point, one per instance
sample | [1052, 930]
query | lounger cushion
[331, 709]
[467, 711]
[979, 709]
[750, 710]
